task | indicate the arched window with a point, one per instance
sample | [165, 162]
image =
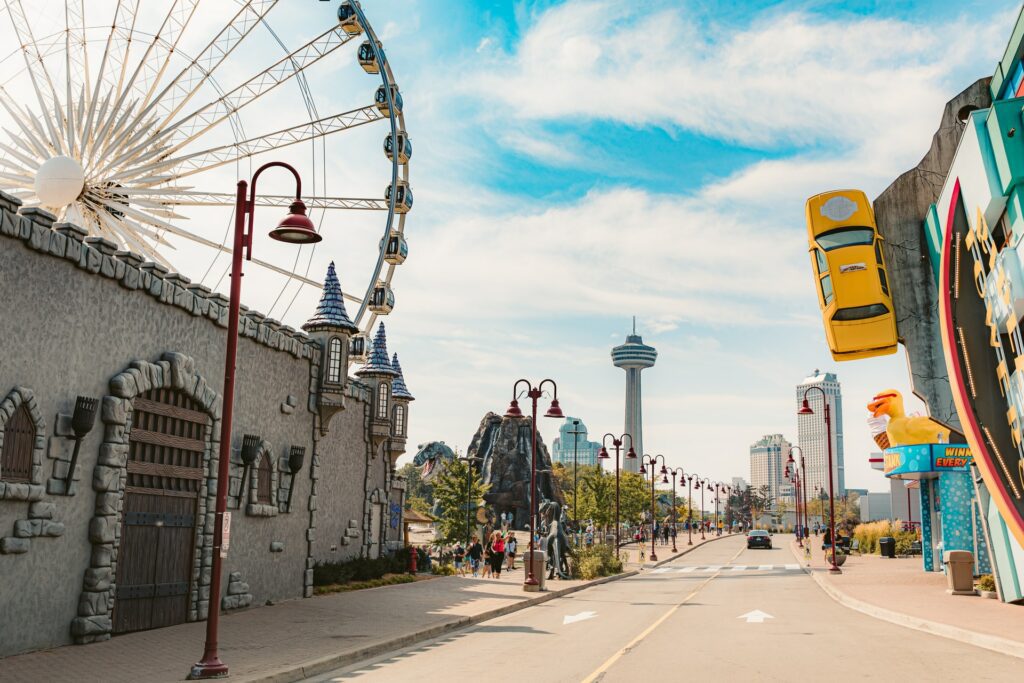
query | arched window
[334, 360]
[399, 420]
[383, 396]
[264, 475]
[19, 441]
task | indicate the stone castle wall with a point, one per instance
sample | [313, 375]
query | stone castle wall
[80, 317]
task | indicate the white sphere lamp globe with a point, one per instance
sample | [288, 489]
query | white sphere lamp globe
[59, 181]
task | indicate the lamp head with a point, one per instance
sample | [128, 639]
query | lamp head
[631, 453]
[664, 478]
[643, 469]
[513, 409]
[603, 453]
[296, 228]
[555, 410]
[805, 409]
[664, 470]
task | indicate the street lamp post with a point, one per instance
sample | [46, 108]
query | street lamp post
[469, 460]
[701, 484]
[575, 464]
[295, 228]
[533, 393]
[650, 460]
[803, 483]
[806, 410]
[794, 477]
[603, 455]
[675, 512]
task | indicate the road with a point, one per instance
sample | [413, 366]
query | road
[721, 611]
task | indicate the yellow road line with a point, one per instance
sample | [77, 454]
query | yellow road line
[603, 669]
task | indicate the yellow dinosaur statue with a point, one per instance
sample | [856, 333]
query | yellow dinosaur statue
[903, 430]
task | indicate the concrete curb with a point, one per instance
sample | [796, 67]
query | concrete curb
[1004, 646]
[314, 667]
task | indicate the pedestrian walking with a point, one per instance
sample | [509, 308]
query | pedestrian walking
[485, 571]
[476, 553]
[664, 534]
[497, 554]
[460, 555]
[511, 545]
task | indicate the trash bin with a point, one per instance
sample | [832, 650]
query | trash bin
[537, 560]
[959, 571]
[887, 546]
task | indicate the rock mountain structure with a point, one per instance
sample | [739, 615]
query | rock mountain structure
[504, 444]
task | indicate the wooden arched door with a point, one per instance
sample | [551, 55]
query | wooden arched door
[165, 470]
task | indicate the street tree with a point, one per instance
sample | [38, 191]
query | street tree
[458, 493]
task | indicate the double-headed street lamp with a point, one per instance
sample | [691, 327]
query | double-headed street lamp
[295, 228]
[675, 512]
[806, 410]
[603, 455]
[794, 478]
[651, 460]
[702, 484]
[533, 393]
[689, 507]
[803, 481]
[719, 488]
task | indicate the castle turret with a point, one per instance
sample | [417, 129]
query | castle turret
[331, 327]
[400, 412]
[379, 375]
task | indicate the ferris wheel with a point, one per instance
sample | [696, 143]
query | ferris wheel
[128, 120]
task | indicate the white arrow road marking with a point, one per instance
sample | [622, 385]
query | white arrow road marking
[739, 568]
[582, 616]
[755, 617]
[766, 567]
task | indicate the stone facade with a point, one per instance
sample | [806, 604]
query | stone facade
[84, 319]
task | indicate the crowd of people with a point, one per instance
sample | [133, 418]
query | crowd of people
[487, 559]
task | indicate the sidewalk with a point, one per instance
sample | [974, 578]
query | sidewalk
[901, 592]
[300, 638]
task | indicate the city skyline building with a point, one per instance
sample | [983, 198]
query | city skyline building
[768, 457]
[633, 357]
[573, 440]
[811, 436]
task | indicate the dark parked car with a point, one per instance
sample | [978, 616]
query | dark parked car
[759, 538]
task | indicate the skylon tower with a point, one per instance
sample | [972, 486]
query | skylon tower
[634, 356]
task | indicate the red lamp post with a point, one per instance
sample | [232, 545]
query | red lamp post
[701, 484]
[603, 455]
[295, 228]
[803, 484]
[651, 460]
[794, 477]
[806, 410]
[555, 411]
[675, 512]
[689, 507]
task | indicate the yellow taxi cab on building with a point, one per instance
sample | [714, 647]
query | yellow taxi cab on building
[853, 290]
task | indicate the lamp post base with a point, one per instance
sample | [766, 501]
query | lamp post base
[834, 570]
[654, 558]
[207, 669]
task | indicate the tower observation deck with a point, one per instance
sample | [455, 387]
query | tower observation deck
[634, 356]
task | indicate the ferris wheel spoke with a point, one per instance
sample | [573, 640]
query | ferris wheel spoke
[26, 161]
[186, 129]
[28, 136]
[188, 198]
[38, 74]
[225, 154]
[187, 83]
[112, 66]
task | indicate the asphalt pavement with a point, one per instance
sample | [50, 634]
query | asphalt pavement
[721, 612]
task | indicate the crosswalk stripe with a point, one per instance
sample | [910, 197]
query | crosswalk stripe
[714, 567]
[792, 566]
[766, 567]
[687, 570]
[739, 568]
[661, 570]
[728, 567]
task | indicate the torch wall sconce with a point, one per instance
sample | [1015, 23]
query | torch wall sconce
[250, 449]
[81, 424]
[295, 460]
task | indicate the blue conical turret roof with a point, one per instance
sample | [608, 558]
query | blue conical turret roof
[378, 363]
[331, 311]
[398, 388]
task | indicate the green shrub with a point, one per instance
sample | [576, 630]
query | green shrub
[360, 585]
[442, 569]
[595, 561]
[986, 582]
[904, 539]
[361, 568]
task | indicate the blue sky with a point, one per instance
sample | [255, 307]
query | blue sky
[581, 162]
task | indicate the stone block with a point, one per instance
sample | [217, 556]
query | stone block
[114, 410]
[115, 433]
[108, 267]
[56, 487]
[91, 604]
[102, 556]
[58, 244]
[345, 540]
[9, 202]
[101, 530]
[310, 535]
[10, 225]
[113, 455]
[91, 260]
[307, 591]
[52, 529]
[102, 245]
[14, 546]
[90, 625]
[39, 216]
[235, 577]
[307, 577]
[276, 547]
[106, 478]
[39, 239]
[123, 385]
[21, 491]
[41, 510]
[204, 609]
[97, 579]
[72, 232]
[229, 602]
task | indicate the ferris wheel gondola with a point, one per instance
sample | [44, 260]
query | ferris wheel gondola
[115, 123]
